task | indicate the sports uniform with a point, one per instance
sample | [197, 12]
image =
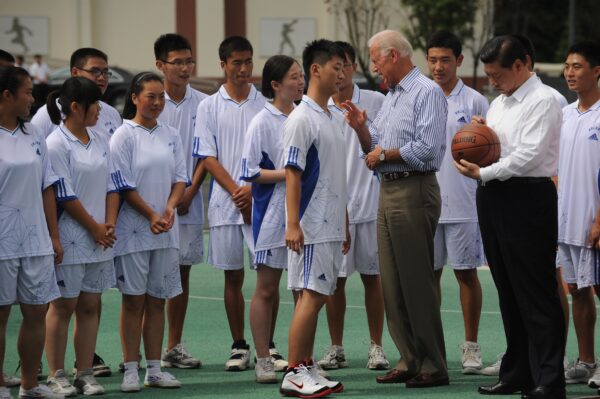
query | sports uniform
[182, 117]
[221, 125]
[457, 238]
[312, 142]
[263, 149]
[579, 194]
[149, 161]
[26, 253]
[81, 168]
[363, 191]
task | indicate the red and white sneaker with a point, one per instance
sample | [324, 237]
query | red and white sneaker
[298, 382]
[335, 386]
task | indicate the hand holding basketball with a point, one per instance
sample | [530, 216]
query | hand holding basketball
[476, 143]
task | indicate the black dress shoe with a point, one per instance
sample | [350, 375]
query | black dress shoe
[499, 388]
[545, 392]
[394, 376]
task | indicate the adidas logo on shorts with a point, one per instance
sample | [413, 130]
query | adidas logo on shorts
[322, 277]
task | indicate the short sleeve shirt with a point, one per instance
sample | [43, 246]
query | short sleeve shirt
[149, 161]
[313, 143]
[182, 117]
[25, 171]
[221, 125]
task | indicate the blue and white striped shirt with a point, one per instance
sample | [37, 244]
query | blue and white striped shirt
[413, 119]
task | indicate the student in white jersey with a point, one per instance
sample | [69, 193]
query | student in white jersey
[457, 240]
[92, 64]
[87, 217]
[149, 171]
[262, 164]
[221, 124]
[363, 195]
[316, 232]
[579, 202]
[173, 55]
[29, 241]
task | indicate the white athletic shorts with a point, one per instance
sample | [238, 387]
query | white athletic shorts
[363, 256]
[94, 278]
[191, 244]
[28, 280]
[275, 258]
[580, 265]
[315, 268]
[458, 245]
[226, 246]
[154, 272]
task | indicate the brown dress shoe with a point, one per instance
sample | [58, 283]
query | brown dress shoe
[394, 376]
[426, 380]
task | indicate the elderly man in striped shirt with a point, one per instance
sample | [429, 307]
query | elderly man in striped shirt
[405, 144]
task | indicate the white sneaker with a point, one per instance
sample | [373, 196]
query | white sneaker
[265, 371]
[239, 360]
[279, 363]
[131, 382]
[41, 391]
[5, 393]
[594, 381]
[298, 382]
[493, 369]
[471, 358]
[180, 358]
[377, 359]
[11, 381]
[579, 372]
[334, 358]
[335, 386]
[86, 384]
[161, 380]
[60, 384]
[321, 372]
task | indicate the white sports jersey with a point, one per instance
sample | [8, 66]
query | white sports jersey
[578, 174]
[182, 117]
[80, 169]
[458, 191]
[362, 183]
[313, 143]
[108, 120]
[149, 161]
[263, 149]
[25, 171]
[221, 125]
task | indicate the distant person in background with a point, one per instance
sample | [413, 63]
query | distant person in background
[20, 62]
[39, 70]
[6, 59]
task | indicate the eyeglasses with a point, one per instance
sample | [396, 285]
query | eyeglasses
[97, 72]
[181, 63]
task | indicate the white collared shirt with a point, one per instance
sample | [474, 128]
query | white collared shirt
[221, 125]
[314, 144]
[362, 183]
[528, 125]
[80, 169]
[182, 117]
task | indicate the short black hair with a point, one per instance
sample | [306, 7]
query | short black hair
[6, 57]
[320, 52]
[445, 39]
[505, 49]
[234, 43]
[80, 56]
[590, 50]
[528, 45]
[274, 70]
[170, 42]
[348, 49]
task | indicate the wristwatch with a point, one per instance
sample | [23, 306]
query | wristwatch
[382, 155]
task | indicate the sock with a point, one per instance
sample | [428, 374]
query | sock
[130, 367]
[152, 367]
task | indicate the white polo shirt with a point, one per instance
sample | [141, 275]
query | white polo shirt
[313, 143]
[263, 149]
[108, 120]
[578, 174]
[456, 190]
[25, 171]
[362, 183]
[149, 161]
[221, 125]
[182, 117]
[81, 169]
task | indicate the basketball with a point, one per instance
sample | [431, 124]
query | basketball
[476, 143]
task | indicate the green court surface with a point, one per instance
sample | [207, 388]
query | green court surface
[207, 337]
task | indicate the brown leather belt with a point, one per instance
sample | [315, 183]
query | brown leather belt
[391, 176]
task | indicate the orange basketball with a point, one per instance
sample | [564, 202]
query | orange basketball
[476, 143]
